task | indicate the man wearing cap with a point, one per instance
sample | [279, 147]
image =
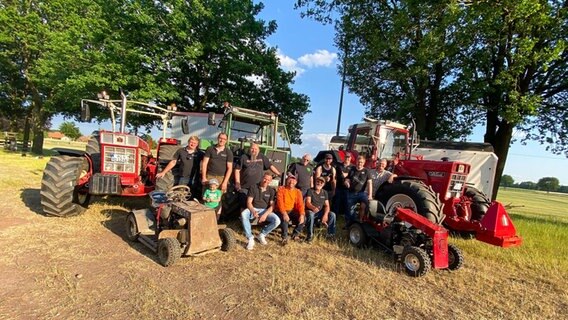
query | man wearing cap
[317, 206]
[260, 203]
[249, 171]
[339, 202]
[328, 173]
[290, 206]
[303, 173]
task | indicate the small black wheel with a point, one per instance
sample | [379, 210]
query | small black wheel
[455, 257]
[357, 236]
[416, 261]
[169, 251]
[131, 227]
[228, 237]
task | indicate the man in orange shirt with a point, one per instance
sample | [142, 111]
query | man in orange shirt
[290, 206]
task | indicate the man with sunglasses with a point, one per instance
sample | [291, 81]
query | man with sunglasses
[317, 208]
[303, 172]
[189, 159]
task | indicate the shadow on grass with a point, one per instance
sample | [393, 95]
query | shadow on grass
[117, 225]
[32, 199]
[538, 219]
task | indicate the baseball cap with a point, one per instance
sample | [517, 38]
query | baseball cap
[328, 156]
[214, 181]
[290, 176]
[320, 179]
[348, 154]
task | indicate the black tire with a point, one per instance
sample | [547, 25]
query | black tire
[357, 235]
[166, 182]
[416, 261]
[169, 251]
[166, 153]
[132, 232]
[228, 237]
[479, 202]
[60, 195]
[455, 257]
[414, 195]
[94, 150]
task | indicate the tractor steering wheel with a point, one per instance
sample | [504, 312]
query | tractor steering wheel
[178, 193]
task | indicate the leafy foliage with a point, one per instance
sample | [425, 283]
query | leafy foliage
[548, 184]
[507, 181]
[70, 130]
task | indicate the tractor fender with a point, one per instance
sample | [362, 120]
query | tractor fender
[145, 219]
[69, 152]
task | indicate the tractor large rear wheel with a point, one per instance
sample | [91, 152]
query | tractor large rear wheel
[165, 155]
[94, 150]
[414, 195]
[479, 202]
[60, 195]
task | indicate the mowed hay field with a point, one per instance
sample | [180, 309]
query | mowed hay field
[84, 268]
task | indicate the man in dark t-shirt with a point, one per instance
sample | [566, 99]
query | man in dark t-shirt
[260, 204]
[189, 159]
[360, 187]
[339, 202]
[217, 163]
[317, 208]
[249, 171]
[303, 173]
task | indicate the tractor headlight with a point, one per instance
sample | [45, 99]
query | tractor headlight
[461, 168]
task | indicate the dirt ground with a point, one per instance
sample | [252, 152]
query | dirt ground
[85, 268]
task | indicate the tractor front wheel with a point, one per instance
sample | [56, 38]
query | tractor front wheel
[455, 257]
[357, 235]
[131, 227]
[60, 194]
[228, 237]
[416, 261]
[413, 195]
[479, 202]
[94, 150]
[169, 251]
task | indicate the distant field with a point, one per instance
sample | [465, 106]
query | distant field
[84, 268]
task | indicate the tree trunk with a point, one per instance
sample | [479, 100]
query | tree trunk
[501, 141]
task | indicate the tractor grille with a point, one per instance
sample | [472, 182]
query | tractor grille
[102, 184]
[457, 183]
[119, 159]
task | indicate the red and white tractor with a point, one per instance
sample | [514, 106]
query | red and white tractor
[114, 162]
[436, 189]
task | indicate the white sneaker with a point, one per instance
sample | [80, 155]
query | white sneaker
[261, 238]
[250, 244]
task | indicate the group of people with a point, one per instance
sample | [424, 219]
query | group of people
[306, 198]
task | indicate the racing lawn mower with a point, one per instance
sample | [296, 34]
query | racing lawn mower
[174, 227]
[415, 241]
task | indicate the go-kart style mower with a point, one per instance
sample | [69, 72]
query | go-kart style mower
[415, 241]
[175, 226]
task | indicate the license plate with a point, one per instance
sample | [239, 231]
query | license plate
[119, 158]
[458, 186]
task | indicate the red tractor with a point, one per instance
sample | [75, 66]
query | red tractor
[114, 163]
[437, 190]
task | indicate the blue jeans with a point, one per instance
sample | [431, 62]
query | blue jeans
[246, 217]
[313, 216]
[339, 201]
[352, 199]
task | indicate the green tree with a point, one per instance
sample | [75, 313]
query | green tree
[70, 130]
[527, 185]
[507, 181]
[454, 64]
[548, 184]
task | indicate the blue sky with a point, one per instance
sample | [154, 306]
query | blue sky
[307, 47]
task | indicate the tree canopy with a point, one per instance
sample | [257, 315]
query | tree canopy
[507, 181]
[452, 65]
[548, 184]
[70, 130]
[195, 53]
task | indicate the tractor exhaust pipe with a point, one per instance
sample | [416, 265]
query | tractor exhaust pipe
[122, 111]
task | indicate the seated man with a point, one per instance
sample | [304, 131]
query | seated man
[317, 205]
[290, 206]
[260, 203]
[360, 187]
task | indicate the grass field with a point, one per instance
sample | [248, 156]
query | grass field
[84, 268]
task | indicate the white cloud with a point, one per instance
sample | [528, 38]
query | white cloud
[312, 143]
[257, 80]
[289, 64]
[321, 58]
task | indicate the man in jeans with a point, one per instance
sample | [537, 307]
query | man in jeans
[360, 187]
[317, 205]
[290, 206]
[260, 203]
